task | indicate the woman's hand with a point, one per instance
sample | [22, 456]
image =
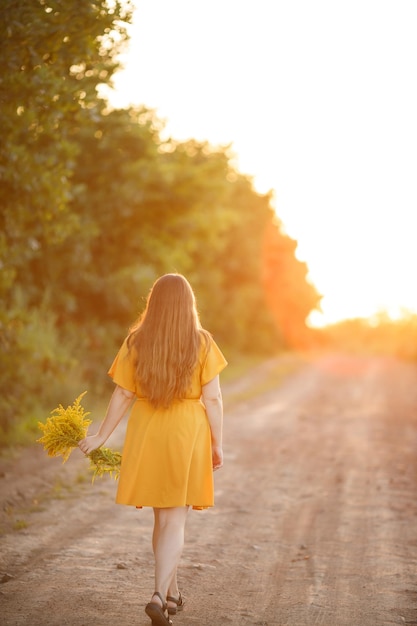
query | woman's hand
[217, 456]
[119, 404]
[91, 443]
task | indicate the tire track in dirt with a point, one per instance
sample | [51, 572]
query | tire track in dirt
[346, 558]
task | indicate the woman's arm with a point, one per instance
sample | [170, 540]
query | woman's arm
[118, 406]
[212, 399]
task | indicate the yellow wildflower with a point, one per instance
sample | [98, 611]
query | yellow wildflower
[65, 428]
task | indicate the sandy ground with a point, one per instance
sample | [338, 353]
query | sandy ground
[315, 520]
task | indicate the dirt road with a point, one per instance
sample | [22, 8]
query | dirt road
[315, 520]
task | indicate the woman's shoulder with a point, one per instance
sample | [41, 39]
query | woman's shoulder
[206, 338]
[211, 359]
[208, 343]
[205, 334]
[127, 348]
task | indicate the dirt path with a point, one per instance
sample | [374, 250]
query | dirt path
[315, 520]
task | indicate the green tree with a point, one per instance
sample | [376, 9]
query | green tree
[146, 208]
[54, 55]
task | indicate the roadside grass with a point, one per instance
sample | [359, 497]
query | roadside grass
[61, 490]
[261, 377]
[20, 524]
[16, 517]
[239, 365]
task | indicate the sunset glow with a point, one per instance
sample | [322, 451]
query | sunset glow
[319, 103]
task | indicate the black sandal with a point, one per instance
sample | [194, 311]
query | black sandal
[157, 613]
[172, 610]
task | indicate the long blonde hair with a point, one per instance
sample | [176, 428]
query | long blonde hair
[167, 339]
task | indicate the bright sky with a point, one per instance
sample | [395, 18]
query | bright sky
[319, 101]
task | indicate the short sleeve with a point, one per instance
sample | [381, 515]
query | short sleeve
[213, 364]
[122, 369]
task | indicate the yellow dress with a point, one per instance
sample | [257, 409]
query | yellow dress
[166, 459]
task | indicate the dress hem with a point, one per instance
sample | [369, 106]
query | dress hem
[195, 507]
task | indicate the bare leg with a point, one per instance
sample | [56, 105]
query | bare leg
[168, 543]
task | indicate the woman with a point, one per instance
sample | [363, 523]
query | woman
[170, 366]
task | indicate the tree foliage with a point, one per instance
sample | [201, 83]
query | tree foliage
[95, 205]
[54, 54]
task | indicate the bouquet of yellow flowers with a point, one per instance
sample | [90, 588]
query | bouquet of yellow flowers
[65, 428]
